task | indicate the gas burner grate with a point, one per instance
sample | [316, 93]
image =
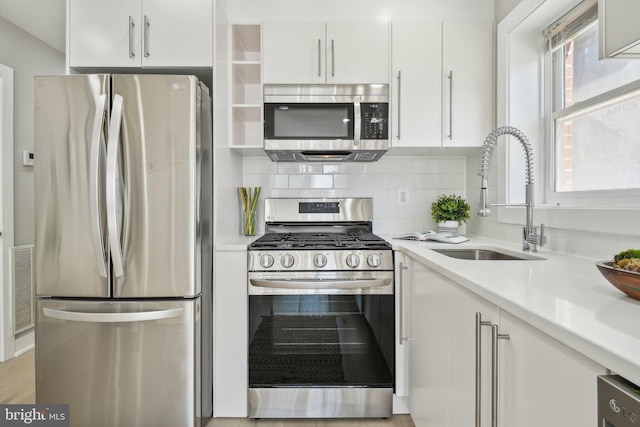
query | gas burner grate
[319, 241]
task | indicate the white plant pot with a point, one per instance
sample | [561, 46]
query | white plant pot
[448, 227]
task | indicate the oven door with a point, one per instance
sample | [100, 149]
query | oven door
[317, 352]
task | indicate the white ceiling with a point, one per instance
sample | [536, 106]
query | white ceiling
[44, 19]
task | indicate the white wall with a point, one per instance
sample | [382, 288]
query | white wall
[28, 57]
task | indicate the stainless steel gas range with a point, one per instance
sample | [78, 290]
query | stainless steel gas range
[321, 312]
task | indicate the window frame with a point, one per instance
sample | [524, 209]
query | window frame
[617, 197]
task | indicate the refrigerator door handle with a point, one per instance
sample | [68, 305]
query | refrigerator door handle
[77, 316]
[111, 186]
[94, 186]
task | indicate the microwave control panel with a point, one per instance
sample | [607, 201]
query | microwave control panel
[375, 120]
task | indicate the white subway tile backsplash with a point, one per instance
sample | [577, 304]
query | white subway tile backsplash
[311, 181]
[259, 166]
[291, 168]
[281, 193]
[351, 181]
[425, 178]
[320, 193]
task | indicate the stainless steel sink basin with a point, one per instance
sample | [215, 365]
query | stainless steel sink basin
[483, 254]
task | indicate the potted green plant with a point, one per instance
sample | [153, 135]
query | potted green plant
[450, 212]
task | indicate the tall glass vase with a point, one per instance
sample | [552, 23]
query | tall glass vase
[249, 222]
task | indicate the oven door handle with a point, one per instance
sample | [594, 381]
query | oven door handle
[321, 284]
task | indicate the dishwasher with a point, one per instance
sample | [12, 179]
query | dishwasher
[618, 402]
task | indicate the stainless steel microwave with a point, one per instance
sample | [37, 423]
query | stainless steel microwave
[326, 122]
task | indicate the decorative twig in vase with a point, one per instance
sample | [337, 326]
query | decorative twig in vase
[250, 203]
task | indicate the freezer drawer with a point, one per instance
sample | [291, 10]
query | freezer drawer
[124, 363]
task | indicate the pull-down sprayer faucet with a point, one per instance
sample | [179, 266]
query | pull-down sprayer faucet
[530, 237]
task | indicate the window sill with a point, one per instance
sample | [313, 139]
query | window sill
[613, 220]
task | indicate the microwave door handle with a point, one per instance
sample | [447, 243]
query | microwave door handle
[97, 138]
[111, 186]
[357, 121]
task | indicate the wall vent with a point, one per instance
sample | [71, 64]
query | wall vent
[22, 282]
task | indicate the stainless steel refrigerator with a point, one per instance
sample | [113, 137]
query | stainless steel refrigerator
[123, 248]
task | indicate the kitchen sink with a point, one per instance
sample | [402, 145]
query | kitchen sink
[484, 254]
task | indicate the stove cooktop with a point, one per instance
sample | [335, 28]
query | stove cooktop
[319, 241]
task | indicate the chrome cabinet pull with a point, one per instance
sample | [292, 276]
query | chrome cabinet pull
[357, 125]
[333, 59]
[479, 324]
[147, 29]
[401, 304]
[399, 101]
[319, 58]
[450, 77]
[132, 36]
[495, 336]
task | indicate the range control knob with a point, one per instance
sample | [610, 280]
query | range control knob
[374, 260]
[287, 261]
[353, 261]
[320, 260]
[266, 261]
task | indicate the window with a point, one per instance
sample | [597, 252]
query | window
[595, 111]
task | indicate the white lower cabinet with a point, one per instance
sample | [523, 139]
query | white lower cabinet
[424, 337]
[541, 382]
[463, 307]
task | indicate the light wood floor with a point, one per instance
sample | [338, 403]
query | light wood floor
[17, 385]
[18, 379]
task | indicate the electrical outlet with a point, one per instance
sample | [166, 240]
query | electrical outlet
[402, 196]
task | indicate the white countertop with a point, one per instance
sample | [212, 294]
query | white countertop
[564, 296]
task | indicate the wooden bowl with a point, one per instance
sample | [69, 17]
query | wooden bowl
[627, 281]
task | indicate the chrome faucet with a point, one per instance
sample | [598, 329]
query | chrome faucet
[530, 237]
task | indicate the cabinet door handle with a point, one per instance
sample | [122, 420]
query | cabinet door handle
[319, 58]
[132, 36]
[495, 336]
[401, 305]
[147, 30]
[479, 324]
[450, 77]
[399, 101]
[333, 59]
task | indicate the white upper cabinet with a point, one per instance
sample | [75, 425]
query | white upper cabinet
[319, 52]
[148, 33]
[618, 29]
[293, 52]
[443, 83]
[417, 71]
[467, 64]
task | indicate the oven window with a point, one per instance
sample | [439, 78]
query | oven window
[309, 121]
[321, 340]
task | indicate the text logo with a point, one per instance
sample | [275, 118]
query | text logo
[34, 415]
